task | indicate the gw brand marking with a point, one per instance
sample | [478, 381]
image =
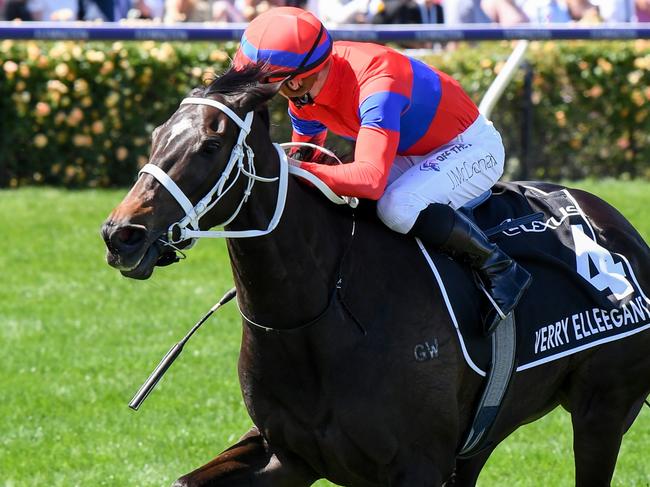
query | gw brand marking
[426, 351]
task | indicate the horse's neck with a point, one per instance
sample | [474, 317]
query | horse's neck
[286, 278]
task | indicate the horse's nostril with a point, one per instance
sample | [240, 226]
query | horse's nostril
[127, 237]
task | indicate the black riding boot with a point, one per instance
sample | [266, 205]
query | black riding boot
[453, 233]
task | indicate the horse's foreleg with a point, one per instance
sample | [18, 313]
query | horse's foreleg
[251, 463]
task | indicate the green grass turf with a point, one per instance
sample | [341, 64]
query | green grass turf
[78, 340]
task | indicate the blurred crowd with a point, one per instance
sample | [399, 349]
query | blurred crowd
[505, 12]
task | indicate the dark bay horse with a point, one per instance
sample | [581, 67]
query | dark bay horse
[334, 304]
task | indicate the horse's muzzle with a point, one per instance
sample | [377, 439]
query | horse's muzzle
[126, 244]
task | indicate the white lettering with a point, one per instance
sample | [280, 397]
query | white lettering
[565, 323]
[551, 335]
[616, 319]
[627, 316]
[576, 326]
[605, 316]
[597, 319]
[637, 308]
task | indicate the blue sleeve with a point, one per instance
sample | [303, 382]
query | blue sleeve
[306, 127]
[383, 110]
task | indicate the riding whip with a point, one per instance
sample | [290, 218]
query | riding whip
[173, 353]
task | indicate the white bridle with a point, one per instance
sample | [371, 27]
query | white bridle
[188, 226]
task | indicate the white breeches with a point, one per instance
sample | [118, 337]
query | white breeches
[453, 174]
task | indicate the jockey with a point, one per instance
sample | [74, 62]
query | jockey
[422, 148]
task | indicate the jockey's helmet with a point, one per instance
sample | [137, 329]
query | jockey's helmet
[291, 42]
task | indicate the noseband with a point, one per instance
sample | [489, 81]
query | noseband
[242, 158]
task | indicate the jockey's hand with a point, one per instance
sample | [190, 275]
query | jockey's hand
[301, 153]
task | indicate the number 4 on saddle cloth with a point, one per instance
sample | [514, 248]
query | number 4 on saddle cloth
[582, 294]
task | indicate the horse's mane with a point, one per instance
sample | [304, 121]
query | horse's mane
[238, 81]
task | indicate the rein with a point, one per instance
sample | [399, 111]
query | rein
[332, 299]
[188, 227]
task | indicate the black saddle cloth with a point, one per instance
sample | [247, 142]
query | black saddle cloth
[582, 295]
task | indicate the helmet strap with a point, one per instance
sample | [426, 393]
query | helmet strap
[301, 101]
[310, 52]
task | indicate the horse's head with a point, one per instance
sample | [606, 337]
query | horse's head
[200, 168]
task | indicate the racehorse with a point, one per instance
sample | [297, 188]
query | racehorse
[333, 304]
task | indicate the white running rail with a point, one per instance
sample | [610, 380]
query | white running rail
[499, 85]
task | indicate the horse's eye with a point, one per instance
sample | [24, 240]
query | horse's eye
[211, 146]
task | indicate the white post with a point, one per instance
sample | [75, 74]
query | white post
[498, 86]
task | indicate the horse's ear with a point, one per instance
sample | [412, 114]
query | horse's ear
[258, 95]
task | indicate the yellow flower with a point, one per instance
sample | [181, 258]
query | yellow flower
[86, 101]
[594, 91]
[95, 56]
[57, 86]
[635, 76]
[637, 98]
[57, 50]
[76, 116]
[218, 56]
[107, 68]
[605, 65]
[97, 127]
[23, 70]
[55, 97]
[142, 160]
[42, 109]
[61, 70]
[642, 62]
[6, 45]
[10, 67]
[208, 76]
[486, 63]
[81, 140]
[112, 99]
[21, 86]
[81, 86]
[43, 62]
[40, 140]
[575, 143]
[560, 116]
[121, 153]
